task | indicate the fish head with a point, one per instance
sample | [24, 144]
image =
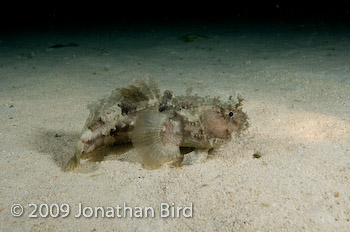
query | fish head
[222, 120]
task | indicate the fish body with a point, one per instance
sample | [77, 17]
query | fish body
[158, 125]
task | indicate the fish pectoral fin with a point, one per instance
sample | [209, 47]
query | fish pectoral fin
[75, 160]
[72, 163]
[154, 138]
[196, 156]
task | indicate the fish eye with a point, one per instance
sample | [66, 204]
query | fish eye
[230, 114]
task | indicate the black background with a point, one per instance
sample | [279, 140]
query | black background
[16, 15]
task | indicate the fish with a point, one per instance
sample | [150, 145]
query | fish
[163, 128]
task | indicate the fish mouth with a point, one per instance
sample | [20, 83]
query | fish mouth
[217, 142]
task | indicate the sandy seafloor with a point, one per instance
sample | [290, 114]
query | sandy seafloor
[296, 83]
